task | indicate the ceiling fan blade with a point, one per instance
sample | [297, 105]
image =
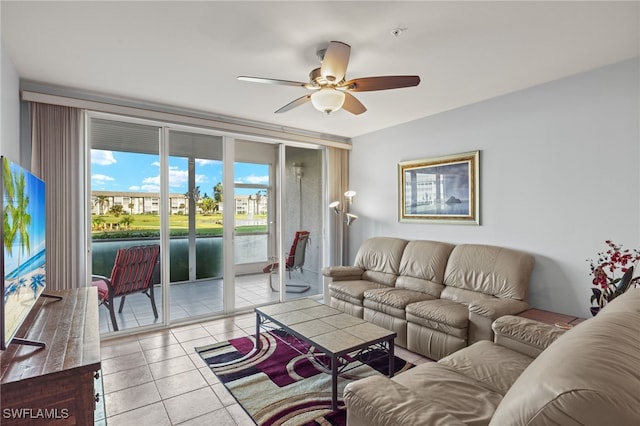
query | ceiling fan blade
[353, 105]
[291, 105]
[368, 84]
[271, 81]
[335, 61]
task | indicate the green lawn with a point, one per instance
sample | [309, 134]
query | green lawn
[145, 225]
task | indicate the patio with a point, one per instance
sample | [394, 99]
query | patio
[200, 298]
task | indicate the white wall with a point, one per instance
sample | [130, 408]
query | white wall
[9, 108]
[559, 175]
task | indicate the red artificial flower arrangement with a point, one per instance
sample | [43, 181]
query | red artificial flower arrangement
[607, 286]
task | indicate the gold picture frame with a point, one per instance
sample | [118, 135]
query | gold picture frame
[440, 190]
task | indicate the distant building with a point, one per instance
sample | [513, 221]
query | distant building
[149, 203]
[251, 204]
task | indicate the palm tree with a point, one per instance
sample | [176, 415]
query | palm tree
[9, 190]
[16, 215]
[20, 216]
[217, 196]
[126, 221]
[259, 195]
[207, 205]
[102, 201]
[37, 281]
[196, 194]
[97, 223]
[116, 210]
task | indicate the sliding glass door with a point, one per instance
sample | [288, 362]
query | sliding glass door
[302, 223]
[278, 221]
[125, 209]
[254, 195]
[196, 255]
[225, 211]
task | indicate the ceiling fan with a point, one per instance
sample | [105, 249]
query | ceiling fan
[330, 89]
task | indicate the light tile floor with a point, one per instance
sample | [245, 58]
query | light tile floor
[158, 379]
[202, 298]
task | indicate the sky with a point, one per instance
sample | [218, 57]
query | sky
[126, 171]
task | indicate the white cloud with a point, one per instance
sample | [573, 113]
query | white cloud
[153, 180]
[101, 178]
[102, 158]
[156, 163]
[177, 178]
[262, 180]
[150, 188]
[145, 188]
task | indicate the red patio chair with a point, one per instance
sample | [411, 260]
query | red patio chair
[295, 260]
[132, 273]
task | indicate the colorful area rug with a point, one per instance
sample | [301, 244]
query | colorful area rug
[280, 386]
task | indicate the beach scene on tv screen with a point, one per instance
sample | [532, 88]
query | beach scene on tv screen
[23, 235]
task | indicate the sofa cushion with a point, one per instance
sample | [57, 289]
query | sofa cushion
[494, 365]
[367, 405]
[491, 270]
[393, 301]
[469, 400]
[379, 258]
[462, 295]
[352, 291]
[422, 266]
[589, 375]
[442, 315]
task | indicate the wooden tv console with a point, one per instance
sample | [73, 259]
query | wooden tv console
[54, 384]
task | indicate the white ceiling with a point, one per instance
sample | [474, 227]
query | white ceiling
[188, 54]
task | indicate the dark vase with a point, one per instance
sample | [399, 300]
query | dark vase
[594, 310]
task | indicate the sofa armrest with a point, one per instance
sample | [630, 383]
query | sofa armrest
[483, 312]
[379, 401]
[525, 335]
[343, 273]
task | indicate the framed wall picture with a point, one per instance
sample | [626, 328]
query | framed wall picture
[440, 190]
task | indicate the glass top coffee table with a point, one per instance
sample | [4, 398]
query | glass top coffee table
[330, 331]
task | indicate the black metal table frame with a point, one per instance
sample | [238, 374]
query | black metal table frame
[338, 362]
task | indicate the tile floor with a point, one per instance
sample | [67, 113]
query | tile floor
[158, 379]
[201, 298]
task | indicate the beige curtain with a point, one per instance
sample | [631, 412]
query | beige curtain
[338, 183]
[56, 157]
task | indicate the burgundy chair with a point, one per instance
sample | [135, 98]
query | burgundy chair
[295, 260]
[132, 273]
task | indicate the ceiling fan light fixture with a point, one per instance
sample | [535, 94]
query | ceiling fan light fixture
[327, 100]
[331, 90]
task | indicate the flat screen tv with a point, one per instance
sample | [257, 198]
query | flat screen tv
[22, 268]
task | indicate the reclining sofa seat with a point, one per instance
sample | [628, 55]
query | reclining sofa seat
[376, 266]
[420, 278]
[481, 284]
[436, 296]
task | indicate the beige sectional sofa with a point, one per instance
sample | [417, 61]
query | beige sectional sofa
[438, 297]
[533, 374]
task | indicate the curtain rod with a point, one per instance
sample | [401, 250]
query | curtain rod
[149, 112]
